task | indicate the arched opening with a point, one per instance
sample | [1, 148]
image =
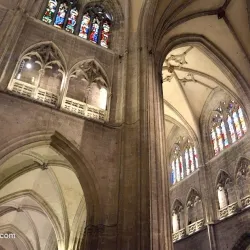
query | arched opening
[243, 243]
[41, 196]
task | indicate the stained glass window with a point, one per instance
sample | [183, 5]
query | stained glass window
[94, 24]
[242, 120]
[105, 34]
[71, 22]
[185, 160]
[173, 179]
[61, 15]
[94, 34]
[228, 125]
[214, 141]
[85, 26]
[50, 11]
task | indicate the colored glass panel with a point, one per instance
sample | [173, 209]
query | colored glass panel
[187, 162]
[181, 167]
[61, 14]
[50, 12]
[71, 22]
[231, 128]
[214, 141]
[224, 134]
[195, 158]
[94, 34]
[105, 34]
[85, 26]
[177, 164]
[191, 159]
[242, 120]
[237, 125]
[219, 138]
[173, 179]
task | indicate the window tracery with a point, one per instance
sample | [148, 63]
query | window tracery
[228, 126]
[94, 24]
[178, 221]
[39, 75]
[184, 160]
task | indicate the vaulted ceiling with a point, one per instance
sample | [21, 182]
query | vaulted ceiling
[189, 78]
[41, 201]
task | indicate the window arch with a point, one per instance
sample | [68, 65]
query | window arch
[39, 74]
[93, 25]
[87, 93]
[184, 159]
[227, 125]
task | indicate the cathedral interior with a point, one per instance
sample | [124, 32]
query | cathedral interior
[124, 125]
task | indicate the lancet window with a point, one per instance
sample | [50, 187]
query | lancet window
[93, 25]
[184, 160]
[227, 125]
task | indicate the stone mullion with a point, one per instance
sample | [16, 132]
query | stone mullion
[235, 131]
[241, 128]
[217, 140]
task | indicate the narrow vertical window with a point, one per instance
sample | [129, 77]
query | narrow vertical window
[242, 120]
[224, 134]
[85, 26]
[61, 15]
[181, 168]
[105, 34]
[191, 157]
[94, 34]
[195, 158]
[71, 22]
[173, 180]
[214, 141]
[219, 138]
[187, 161]
[50, 12]
[237, 125]
[231, 128]
[177, 163]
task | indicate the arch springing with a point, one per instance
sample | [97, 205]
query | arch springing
[184, 159]
[93, 25]
[227, 125]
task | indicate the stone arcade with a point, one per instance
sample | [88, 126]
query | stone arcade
[124, 124]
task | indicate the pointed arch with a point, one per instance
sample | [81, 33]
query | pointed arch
[177, 205]
[222, 178]
[242, 165]
[243, 242]
[83, 169]
[193, 197]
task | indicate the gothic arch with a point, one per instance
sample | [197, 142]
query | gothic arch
[222, 178]
[241, 162]
[82, 167]
[193, 196]
[177, 204]
[243, 243]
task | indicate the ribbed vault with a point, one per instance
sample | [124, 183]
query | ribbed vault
[41, 201]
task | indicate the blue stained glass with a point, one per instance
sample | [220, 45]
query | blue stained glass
[224, 134]
[231, 128]
[242, 120]
[61, 14]
[85, 25]
[50, 11]
[173, 179]
[214, 141]
[71, 22]
[237, 125]
[94, 34]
